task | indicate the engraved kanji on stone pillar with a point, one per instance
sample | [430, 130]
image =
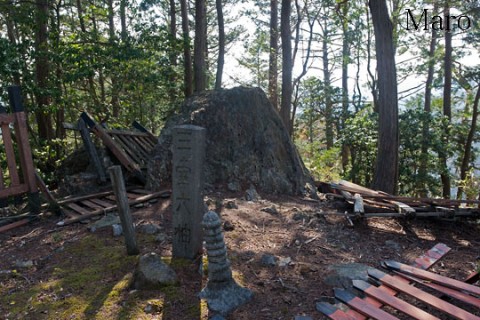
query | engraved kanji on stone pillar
[187, 179]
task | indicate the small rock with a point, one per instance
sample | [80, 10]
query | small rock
[152, 273]
[272, 210]
[297, 242]
[268, 260]
[24, 264]
[117, 230]
[303, 318]
[106, 221]
[149, 228]
[139, 205]
[152, 201]
[251, 194]
[228, 226]
[231, 205]
[233, 186]
[161, 237]
[283, 262]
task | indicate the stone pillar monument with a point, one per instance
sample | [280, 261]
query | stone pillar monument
[187, 179]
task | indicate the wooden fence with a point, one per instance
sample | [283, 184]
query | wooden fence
[18, 176]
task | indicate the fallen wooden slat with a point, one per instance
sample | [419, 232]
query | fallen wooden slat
[429, 258]
[334, 313]
[423, 274]
[423, 296]
[434, 254]
[114, 207]
[91, 204]
[119, 153]
[445, 290]
[14, 190]
[85, 197]
[77, 208]
[392, 301]
[14, 225]
[43, 188]
[103, 203]
[362, 306]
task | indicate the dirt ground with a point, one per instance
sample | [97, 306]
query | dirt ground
[50, 272]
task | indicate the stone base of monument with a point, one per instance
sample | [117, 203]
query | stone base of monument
[226, 297]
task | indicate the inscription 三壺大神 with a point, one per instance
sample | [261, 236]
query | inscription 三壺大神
[426, 20]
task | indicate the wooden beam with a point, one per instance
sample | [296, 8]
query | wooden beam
[423, 296]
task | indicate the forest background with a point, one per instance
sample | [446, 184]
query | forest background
[408, 126]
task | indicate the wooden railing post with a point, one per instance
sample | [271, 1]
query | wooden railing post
[26, 161]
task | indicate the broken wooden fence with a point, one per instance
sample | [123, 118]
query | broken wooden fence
[131, 148]
[18, 177]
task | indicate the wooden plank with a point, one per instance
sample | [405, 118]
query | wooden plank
[141, 128]
[435, 254]
[160, 194]
[85, 197]
[118, 183]
[133, 195]
[75, 207]
[149, 142]
[15, 224]
[128, 149]
[14, 190]
[103, 203]
[26, 159]
[10, 153]
[124, 159]
[392, 301]
[423, 296]
[147, 149]
[444, 290]
[333, 312]
[144, 155]
[43, 188]
[127, 133]
[362, 306]
[431, 257]
[91, 150]
[423, 274]
[90, 204]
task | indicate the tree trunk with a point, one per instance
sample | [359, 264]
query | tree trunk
[200, 47]
[468, 145]
[386, 167]
[345, 62]
[273, 55]
[447, 109]
[287, 65]
[42, 65]
[115, 101]
[422, 172]
[187, 55]
[123, 20]
[221, 45]
[327, 88]
[173, 52]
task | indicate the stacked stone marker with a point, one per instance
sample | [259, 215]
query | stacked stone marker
[187, 178]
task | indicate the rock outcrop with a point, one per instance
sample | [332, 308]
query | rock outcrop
[247, 143]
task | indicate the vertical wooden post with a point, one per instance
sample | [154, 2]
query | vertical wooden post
[118, 183]
[91, 150]
[187, 180]
[26, 161]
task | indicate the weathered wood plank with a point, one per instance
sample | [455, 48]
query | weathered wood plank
[392, 301]
[334, 313]
[444, 290]
[10, 153]
[423, 296]
[75, 207]
[362, 306]
[423, 274]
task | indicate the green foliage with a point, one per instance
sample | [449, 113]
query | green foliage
[360, 135]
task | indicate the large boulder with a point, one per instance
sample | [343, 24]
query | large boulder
[247, 143]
